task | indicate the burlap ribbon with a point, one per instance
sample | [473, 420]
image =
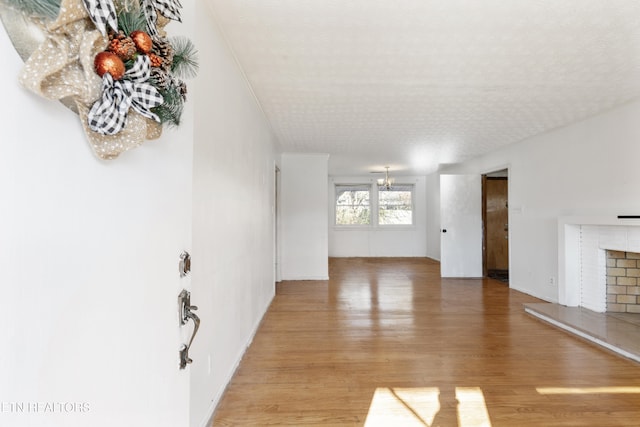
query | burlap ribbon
[62, 67]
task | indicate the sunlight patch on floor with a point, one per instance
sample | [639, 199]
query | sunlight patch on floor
[403, 406]
[420, 406]
[472, 409]
[588, 390]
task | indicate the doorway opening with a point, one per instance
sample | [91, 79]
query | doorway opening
[495, 220]
[276, 226]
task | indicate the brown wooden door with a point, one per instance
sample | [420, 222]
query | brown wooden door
[496, 224]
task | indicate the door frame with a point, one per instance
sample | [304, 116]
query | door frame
[486, 176]
[277, 274]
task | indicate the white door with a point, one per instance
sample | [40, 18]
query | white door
[461, 226]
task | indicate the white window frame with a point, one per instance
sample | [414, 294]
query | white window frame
[374, 220]
[364, 186]
[405, 187]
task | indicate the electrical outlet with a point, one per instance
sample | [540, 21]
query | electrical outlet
[552, 281]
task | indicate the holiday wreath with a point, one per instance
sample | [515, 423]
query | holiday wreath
[112, 61]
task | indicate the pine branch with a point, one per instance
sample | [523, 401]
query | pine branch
[130, 20]
[185, 59]
[170, 111]
[47, 9]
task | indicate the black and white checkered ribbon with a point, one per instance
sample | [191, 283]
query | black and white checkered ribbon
[108, 115]
[103, 14]
[170, 9]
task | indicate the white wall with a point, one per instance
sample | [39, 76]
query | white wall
[89, 268]
[233, 218]
[373, 240]
[589, 168]
[303, 207]
[433, 216]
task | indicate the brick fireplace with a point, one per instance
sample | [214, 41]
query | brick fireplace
[587, 276]
[623, 282]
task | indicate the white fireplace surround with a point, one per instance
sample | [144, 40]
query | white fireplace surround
[582, 242]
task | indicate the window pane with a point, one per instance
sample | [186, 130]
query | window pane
[352, 205]
[395, 207]
[352, 215]
[353, 198]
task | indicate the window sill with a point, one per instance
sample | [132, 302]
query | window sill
[374, 227]
[396, 227]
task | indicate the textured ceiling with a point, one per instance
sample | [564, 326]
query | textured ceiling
[416, 83]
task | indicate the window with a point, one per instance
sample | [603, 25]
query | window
[353, 205]
[369, 205]
[395, 205]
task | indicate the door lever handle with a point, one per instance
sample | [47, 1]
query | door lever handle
[184, 351]
[184, 307]
[186, 313]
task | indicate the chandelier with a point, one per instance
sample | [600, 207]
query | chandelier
[386, 182]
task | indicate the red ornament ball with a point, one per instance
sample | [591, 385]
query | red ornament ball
[108, 62]
[142, 40]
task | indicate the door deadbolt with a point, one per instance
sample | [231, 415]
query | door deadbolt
[184, 266]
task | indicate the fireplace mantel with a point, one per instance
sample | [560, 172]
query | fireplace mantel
[570, 246]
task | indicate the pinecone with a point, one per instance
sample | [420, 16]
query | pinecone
[182, 89]
[121, 45]
[163, 49]
[160, 78]
[163, 81]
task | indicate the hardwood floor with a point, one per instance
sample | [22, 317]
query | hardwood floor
[388, 342]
